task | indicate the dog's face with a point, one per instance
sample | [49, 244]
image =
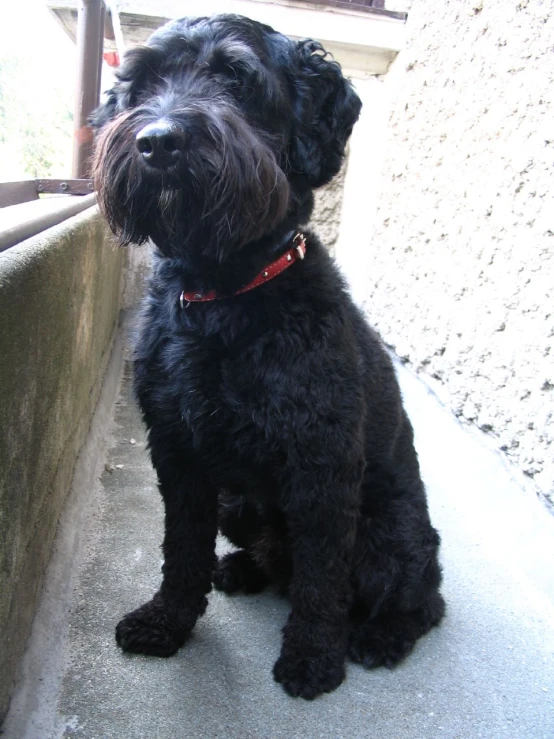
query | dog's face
[213, 132]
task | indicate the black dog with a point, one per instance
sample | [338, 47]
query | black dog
[271, 406]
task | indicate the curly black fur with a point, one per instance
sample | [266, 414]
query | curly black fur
[275, 412]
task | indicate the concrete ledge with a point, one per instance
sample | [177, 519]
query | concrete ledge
[22, 221]
[59, 304]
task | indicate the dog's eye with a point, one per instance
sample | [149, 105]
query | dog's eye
[228, 71]
[137, 94]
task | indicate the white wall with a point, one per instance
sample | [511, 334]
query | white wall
[459, 273]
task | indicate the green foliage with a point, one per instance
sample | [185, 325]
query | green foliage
[35, 121]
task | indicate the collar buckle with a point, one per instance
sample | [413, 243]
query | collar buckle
[299, 242]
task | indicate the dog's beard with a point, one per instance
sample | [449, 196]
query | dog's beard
[226, 191]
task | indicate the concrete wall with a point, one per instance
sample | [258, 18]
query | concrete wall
[59, 305]
[461, 269]
[326, 216]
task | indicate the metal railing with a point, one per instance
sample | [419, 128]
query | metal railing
[23, 191]
[22, 222]
[90, 47]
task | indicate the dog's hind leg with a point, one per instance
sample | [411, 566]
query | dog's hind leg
[237, 571]
[241, 523]
[397, 572]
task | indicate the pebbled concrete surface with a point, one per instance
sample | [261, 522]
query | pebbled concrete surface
[465, 224]
[487, 673]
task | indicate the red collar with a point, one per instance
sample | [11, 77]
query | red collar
[271, 271]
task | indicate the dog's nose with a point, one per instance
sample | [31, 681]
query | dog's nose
[161, 144]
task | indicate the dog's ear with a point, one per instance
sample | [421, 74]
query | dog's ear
[138, 62]
[105, 112]
[325, 111]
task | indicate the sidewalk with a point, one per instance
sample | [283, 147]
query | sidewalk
[487, 672]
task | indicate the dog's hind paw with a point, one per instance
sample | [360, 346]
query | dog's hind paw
[156, 628]
[390, 637]
[237, 571]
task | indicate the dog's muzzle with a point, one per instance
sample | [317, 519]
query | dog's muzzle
[162, 144]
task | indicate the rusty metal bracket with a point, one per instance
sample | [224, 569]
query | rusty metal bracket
[65, 187]
[14, 193]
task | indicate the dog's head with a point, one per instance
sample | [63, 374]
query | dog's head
[215, 131]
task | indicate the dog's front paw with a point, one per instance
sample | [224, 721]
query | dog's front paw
[307, 676]
[312, 659]
[157, 628]
[135, 633]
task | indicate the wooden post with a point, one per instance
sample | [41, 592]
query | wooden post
[90, 46]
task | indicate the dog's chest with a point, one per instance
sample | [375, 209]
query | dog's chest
[219, 397]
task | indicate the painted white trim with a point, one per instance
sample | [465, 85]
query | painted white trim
[363, 43]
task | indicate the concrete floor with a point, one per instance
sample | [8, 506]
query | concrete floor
[487, 672]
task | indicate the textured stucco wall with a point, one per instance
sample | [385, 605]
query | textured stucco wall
[59, 305]
[326, 215]
[462, 261]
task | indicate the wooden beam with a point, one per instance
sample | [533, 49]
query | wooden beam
[90, 44]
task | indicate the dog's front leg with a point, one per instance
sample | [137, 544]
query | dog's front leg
[161, 625]
[321, 518]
